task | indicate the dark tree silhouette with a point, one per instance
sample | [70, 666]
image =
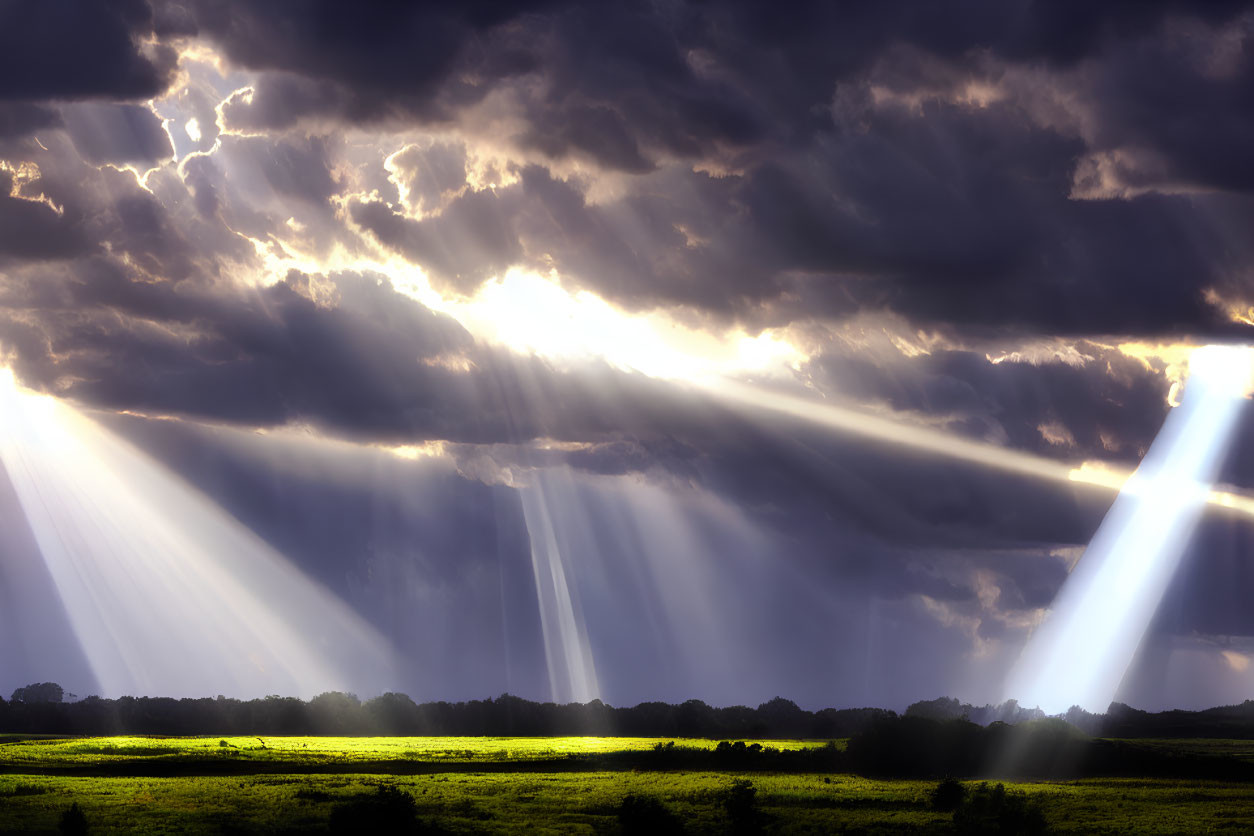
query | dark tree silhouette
[644, 815]
[39, 692]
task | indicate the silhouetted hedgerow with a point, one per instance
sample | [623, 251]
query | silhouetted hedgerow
[396, 714]
[41, 709]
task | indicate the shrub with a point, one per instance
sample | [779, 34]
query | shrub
[948, 795]
[73, 822]
[741, 804]
[644, 814]
[389, 810]
[994, 811]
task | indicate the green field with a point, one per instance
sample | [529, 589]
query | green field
[53, 753]
[40, 778]
[1241, 750]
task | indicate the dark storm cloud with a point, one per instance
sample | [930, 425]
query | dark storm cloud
[849, 510]
[363, 362]
[1107, 406]
[625, 81]
[1205, 596]
[19, 119]
[281, 100]
[107, 133]
[74, 208]
[634, 251]
[264, 359]
[376, 365]
[471, 241]
[1181, 105]
[803, 479]
[953, 217]
[366, 62]
[986, 171]
[80, 49]
[957, 213]
[964, 216]
[32, 230]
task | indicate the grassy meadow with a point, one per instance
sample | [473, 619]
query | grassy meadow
[68, 753]
[486, 785]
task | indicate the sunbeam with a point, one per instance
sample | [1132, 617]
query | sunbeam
[853, 422]
[165, 592]
[572, 672]
[1080, 653]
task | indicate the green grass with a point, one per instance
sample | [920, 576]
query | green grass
[585, 802]
[464, 803]
[465, 800]
[312, 751]
[1242, 750]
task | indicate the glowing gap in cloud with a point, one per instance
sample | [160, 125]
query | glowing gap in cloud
[530, 313]
[1080, 653]
[167, 593]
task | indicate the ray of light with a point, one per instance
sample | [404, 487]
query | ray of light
[572, 672]
[1083, 649]
[166, 592]
[672, 584]
[688, 596]
[853, 422]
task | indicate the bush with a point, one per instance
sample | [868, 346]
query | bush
[389, 810]
[73, 822]
[993, 811]
[644, 814]
[741, 804]
[948, 795]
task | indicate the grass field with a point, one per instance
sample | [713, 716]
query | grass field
[1242, 750]
[536, 802]
[52, 753]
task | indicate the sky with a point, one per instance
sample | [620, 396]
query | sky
[634, 351]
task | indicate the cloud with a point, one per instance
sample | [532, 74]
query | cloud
[374, 63]
[1172, 112]
[843, 161]
[18, 119]
[904, 190]
[1108, 406]
[81, 49]
[429, 175]
[31, 229]
[296, 168]
[468, 243]
[108, 133]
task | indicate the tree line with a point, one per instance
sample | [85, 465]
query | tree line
[1119, 720]
[42, 709]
